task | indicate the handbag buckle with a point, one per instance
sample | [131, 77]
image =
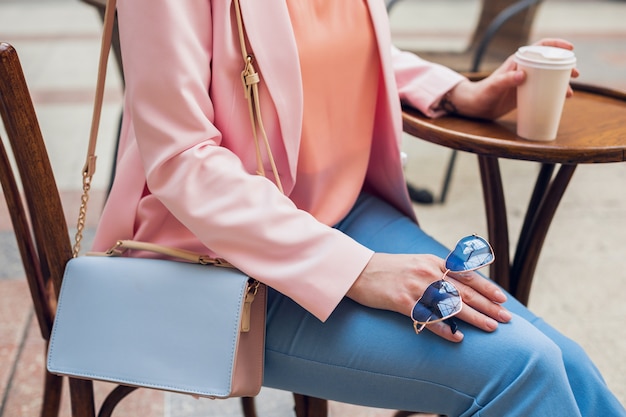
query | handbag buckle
[253, 287]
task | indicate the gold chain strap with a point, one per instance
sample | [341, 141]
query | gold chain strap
[82, 215]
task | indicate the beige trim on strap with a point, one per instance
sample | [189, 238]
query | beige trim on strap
[251, 79]
[123, 245]
[89, 169]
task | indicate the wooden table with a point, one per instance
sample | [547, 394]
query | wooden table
[592, 130]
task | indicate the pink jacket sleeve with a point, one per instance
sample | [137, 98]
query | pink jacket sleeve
[421, 84]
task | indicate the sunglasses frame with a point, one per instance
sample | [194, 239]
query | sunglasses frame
[449, 317]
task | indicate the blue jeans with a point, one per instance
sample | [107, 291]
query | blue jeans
[374, 358]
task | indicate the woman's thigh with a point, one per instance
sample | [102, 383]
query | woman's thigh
[373, 357]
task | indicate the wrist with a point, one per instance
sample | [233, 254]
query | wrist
[459, 98]
[446, 104]
[452, 101]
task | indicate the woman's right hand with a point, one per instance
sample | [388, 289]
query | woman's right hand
[396, 281]
[495, 95]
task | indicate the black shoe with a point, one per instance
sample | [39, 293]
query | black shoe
[420, 195]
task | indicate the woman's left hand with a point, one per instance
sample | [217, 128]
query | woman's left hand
[495, 95]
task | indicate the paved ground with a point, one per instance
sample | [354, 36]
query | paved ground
[583, 257]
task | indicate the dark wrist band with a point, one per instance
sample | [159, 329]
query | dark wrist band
[446, 104]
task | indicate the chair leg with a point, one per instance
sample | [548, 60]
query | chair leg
[448, 177]
[247, 404]
[306, 406]
[52, 389]
[113, 399]
[81, 395]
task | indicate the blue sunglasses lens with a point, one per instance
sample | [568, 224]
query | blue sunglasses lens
[470, 253]
[440, 300]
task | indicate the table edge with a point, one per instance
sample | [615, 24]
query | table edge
[418, 125]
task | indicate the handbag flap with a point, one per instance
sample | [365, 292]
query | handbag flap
[148, 322]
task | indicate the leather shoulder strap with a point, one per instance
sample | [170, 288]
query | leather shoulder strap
[89, 168]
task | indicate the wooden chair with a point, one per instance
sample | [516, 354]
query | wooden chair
[40, 228]
[502, 27]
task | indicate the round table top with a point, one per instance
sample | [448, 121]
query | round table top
[592, 130]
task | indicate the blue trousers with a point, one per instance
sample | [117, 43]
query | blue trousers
[374, 358]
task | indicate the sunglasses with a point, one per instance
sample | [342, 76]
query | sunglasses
[442, 300]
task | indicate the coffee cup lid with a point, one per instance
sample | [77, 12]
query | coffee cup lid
[549, 57]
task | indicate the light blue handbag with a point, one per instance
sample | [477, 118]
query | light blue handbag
[177, 326]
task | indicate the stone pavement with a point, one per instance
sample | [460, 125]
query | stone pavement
[583, 260]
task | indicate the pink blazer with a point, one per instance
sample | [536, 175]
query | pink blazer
[186, 150]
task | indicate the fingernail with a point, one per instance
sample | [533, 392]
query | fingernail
[500, 296]
[491, 324]
[505, 316]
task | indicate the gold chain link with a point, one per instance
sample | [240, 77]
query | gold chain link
[82, 214]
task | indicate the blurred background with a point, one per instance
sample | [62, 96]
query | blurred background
[581, 277]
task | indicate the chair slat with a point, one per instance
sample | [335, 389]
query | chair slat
[45, 210]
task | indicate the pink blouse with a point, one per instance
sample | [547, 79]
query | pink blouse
[340, 69]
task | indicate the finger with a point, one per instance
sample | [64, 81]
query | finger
[480, 310]
[570, 90]
[479, 307]
[512, 78]
[508, 65]
[485, 287]
[559, 43]
[441, 329]
[484, 321]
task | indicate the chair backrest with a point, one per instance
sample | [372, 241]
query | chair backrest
[39, 225]
[503, 26]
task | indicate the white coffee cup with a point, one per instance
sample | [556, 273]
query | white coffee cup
[541, 97]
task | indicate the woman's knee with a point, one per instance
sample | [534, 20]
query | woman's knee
[515, 358]
[527, 371]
